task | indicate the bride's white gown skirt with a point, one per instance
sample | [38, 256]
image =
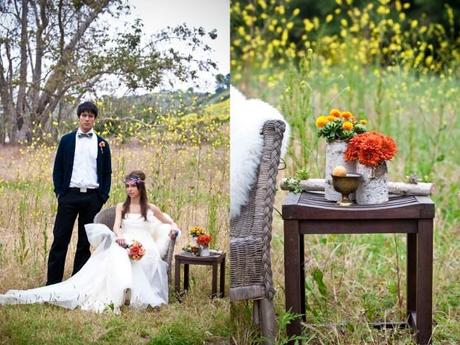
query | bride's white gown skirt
[103, 280]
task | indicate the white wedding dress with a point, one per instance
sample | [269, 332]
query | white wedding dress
[101, 283]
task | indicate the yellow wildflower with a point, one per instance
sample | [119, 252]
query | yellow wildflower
[308, 25]
[429, 60]
[262, 4]
[363, 122]
[383, 10]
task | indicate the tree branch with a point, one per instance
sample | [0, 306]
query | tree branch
[42, 24]
[59, 70]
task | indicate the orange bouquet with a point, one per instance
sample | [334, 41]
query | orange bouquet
[370, 149]
[136, 251]
[204, 240]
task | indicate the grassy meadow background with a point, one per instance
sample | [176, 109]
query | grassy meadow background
[185, 158]
[401, 73]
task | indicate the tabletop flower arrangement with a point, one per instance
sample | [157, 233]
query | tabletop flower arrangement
[338, 128]
[339, 125]
[200, 241]
[203, 242]
[196, 231]
[371, 151]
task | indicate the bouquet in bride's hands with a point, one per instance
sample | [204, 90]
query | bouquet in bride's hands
[135, 250]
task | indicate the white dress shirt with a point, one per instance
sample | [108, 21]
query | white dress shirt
[84, 171]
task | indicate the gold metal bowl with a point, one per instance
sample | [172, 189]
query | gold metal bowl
[346, 185]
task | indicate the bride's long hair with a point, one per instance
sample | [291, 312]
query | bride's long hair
[138, 177]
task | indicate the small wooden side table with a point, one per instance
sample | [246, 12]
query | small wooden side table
[310, 213]
[187, 259]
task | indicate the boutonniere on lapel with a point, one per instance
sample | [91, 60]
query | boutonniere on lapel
[102, 145]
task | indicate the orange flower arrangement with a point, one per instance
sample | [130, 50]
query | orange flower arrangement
[204, 240]
[370, 148]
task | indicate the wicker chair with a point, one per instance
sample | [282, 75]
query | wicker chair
[251, 233]
[107, 217]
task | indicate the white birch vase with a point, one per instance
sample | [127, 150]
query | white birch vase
[335, 155]
[373, 188]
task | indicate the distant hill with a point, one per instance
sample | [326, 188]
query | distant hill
[160, 103]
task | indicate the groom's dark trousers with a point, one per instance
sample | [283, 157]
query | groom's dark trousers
[86, 206]
[73, 202]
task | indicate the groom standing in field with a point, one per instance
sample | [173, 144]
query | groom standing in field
[81, 176]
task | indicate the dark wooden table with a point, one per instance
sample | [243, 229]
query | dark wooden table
[187, 259]
[311, 213]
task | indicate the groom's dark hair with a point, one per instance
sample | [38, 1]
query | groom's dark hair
[87, 106]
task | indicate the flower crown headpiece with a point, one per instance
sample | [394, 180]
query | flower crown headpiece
[133, 179]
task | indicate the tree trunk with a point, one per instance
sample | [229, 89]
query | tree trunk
[42, 23]
[9, 112]
[23, 125]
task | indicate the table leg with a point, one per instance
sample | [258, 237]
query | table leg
[411, 277]
[424, 297]
[177, 276]
[214, 279]
[222, 278]
[302, 276]
[292, 275]
[186, 277]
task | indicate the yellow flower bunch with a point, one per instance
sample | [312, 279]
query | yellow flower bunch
[339, 125]
[196, 231]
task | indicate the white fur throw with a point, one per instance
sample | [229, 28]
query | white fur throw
[247, 117]
[160, 233]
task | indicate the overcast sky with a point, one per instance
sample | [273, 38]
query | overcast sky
[210, 14]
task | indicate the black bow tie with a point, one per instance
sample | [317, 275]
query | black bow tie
[85, 135]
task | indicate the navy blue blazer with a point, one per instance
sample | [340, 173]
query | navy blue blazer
[63, 165]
